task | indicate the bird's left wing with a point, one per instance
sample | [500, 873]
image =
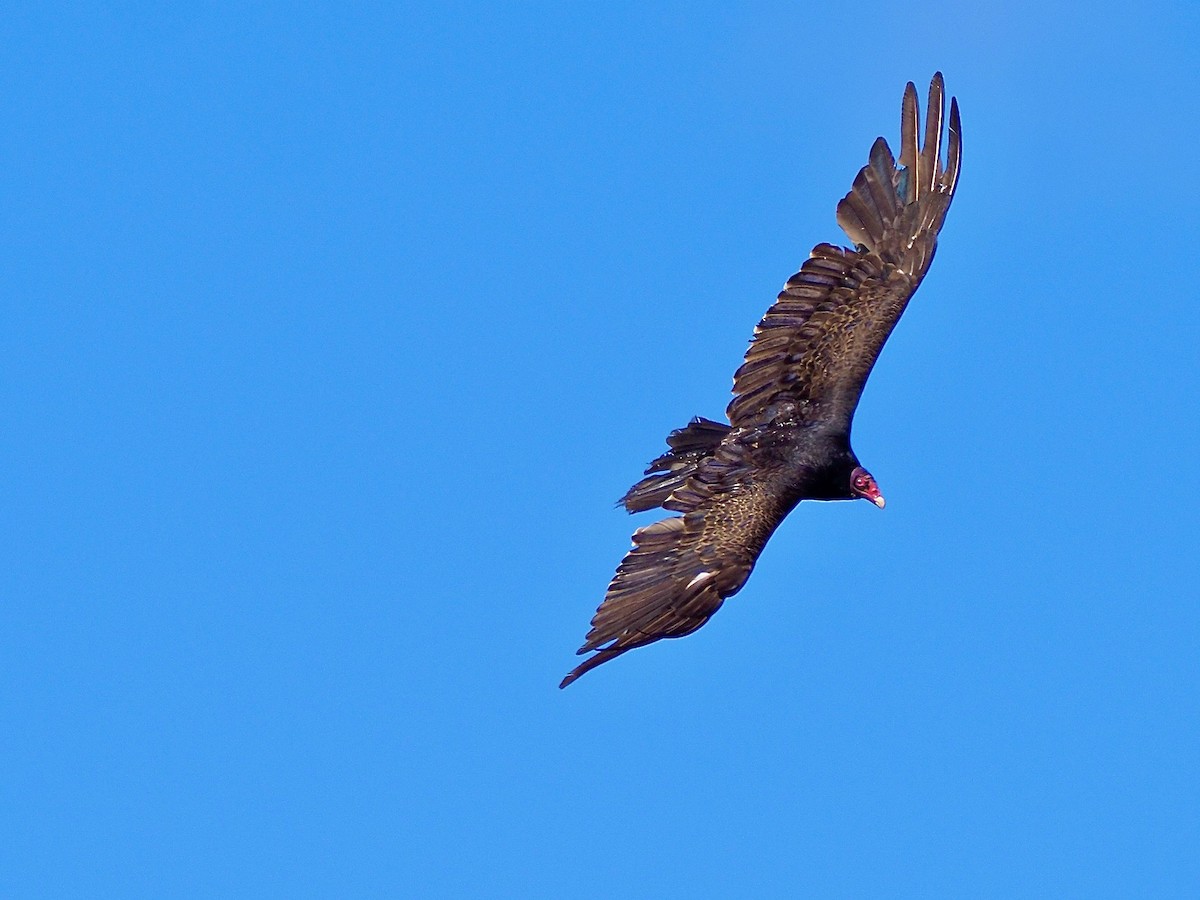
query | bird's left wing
[813, 350]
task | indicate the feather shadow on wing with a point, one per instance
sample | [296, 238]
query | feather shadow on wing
[794, 400]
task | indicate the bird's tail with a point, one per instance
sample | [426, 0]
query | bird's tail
[690, 446]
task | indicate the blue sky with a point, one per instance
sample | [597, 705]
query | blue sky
[329, 338]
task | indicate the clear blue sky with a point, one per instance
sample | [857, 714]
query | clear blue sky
[329, 338]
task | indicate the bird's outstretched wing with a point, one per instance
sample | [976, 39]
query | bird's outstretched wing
[681, 569]
[813, 350]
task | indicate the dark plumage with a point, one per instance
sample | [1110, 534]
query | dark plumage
[793, 401]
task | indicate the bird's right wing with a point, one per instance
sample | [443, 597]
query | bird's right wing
[681, 569]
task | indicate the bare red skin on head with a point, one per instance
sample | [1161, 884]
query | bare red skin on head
[863, 484]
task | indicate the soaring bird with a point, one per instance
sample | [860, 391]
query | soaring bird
[794, 396]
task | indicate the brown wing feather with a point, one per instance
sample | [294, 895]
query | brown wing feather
[682, 569]
[813, 350]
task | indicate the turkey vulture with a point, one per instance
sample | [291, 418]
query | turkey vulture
[788, 437]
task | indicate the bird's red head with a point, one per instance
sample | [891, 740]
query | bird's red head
[862, 483]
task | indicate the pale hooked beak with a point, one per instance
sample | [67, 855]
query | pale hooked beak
[878, 501]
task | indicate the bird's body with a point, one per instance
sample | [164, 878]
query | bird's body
[788, 437]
